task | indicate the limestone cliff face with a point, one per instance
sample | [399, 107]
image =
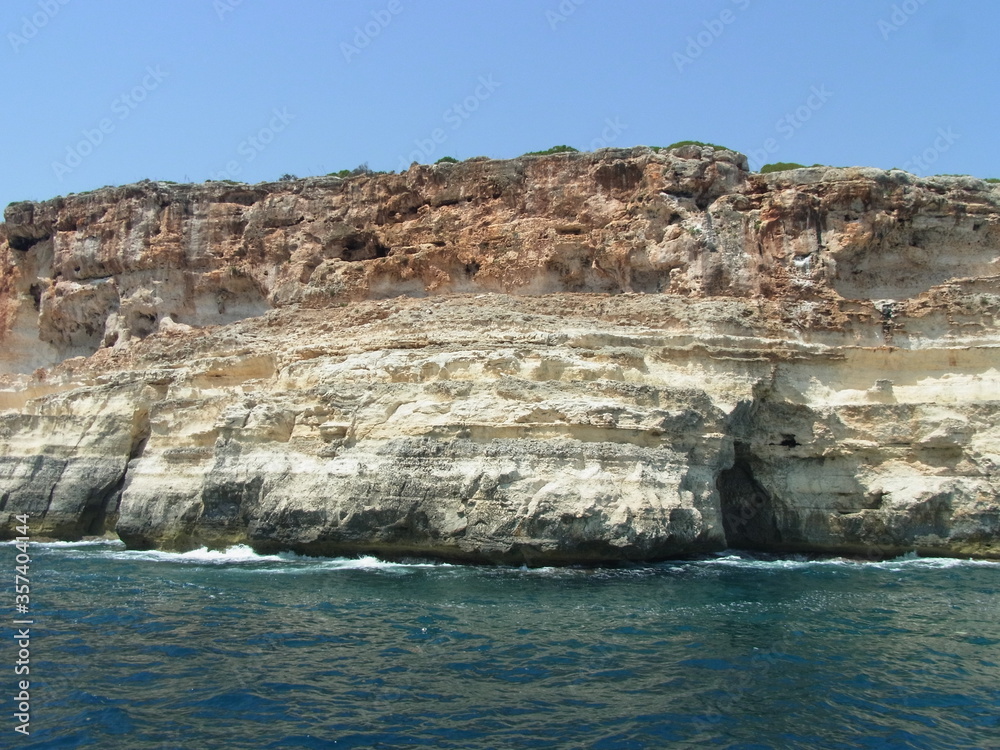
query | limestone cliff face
[624, 355]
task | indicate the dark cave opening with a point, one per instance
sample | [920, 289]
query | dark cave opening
[747, 507]
[24, 243]
[363, 246]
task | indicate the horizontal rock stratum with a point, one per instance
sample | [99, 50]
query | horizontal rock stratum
[617, 356]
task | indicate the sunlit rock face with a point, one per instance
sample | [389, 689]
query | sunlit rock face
[624, 355]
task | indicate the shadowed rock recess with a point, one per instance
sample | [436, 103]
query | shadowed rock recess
[578, 358]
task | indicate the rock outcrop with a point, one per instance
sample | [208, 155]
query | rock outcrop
[624, 355]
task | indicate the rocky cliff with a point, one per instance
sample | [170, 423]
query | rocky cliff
[624, 355]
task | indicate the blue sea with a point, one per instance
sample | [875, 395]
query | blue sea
[231, 649]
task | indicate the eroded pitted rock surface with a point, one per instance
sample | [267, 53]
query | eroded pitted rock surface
[624, 355]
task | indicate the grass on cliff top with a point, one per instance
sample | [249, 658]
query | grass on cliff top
[984, 179]
[554, 150]
[361, 169]
[714, 146]
[783, 166]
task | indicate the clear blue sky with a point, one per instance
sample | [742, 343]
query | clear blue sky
[99, 92]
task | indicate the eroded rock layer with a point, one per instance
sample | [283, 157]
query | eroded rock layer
[625, 355]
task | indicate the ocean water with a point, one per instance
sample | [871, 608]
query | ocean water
[140, 650]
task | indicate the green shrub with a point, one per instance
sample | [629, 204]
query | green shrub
[782, 166]
[361, 169]
[287, 178]
[447, 160]
[554, 150]
[992, 179]
[696, 143]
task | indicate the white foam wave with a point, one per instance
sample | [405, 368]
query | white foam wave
[912, 561]
[798, 562]
[738, 560]
[242, 555]
[237, 554]
[312, 564]
[366, 563]
[82, 543]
